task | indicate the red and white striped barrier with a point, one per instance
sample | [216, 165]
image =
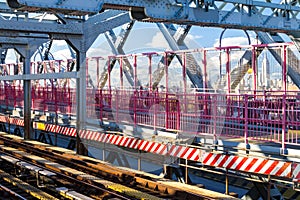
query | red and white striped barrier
[249, 164]
[231, 162]
[296, 172]
[12, 120]
[18, 122]
[143, 145]
[55, 129]
[4, 119]
[60, 129]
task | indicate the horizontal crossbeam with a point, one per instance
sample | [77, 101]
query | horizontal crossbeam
[241, 14]
[40, 76]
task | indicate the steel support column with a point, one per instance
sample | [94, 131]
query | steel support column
[81, 100]
[26, 51]
[27, 96]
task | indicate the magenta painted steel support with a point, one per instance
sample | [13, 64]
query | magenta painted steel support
[184, 81]
[167, 89]
[284, 77]
[121, 73]
[284, 67]
[135, 92]
[135, 71]
[56, 100]
[205, 81]
[6, 95]
[155, 112]
[215, 139]
[228, 69]
[167, 111]
[205, 69]
[101, 105]
[97, 68]
[150, 72]
[14, 92]
[44, 97]
[117, 105]
[87, 71]
[108, 74]
[178, 115]
[283, 145]
[184, 72]
[69, 100]
[33, 90]
[253, 65]
[166, 71]
[246, 123]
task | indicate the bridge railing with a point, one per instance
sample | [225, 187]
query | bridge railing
[270, 117]
[264, 116]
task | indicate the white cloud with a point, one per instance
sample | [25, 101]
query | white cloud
[98, 51]
[233, 41]
[193, 37]
[158, 41]
[10, 56]
[60, 43]
[62, 54]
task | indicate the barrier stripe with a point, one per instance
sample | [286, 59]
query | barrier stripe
[249, 164]
[253, 162]
[143, 145]
[223, 161]
[296, 172]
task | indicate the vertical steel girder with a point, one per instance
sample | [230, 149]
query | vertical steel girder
[93, 27]
[26, 53]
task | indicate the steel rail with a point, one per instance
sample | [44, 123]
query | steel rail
[72, 179]
[11, 192]
[91, 167]
[73, 163]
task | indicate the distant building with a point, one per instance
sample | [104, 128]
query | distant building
[265, 73]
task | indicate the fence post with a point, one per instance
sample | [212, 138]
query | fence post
[178, 115]
[246, 124]
[215, 139]
[117, 105]
[283, 149]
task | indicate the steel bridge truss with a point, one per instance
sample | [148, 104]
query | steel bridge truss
[80, 23]
[280, 16]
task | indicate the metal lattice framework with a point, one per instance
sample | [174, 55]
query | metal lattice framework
[27, 24]
[281, 16]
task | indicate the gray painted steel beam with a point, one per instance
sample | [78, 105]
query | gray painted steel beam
[40, 76]
[75, 7]
[240, 14]
[27, 51]
[100, 24]
[40, 27]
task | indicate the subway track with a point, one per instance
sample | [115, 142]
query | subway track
[82, 172]
[14, 188]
